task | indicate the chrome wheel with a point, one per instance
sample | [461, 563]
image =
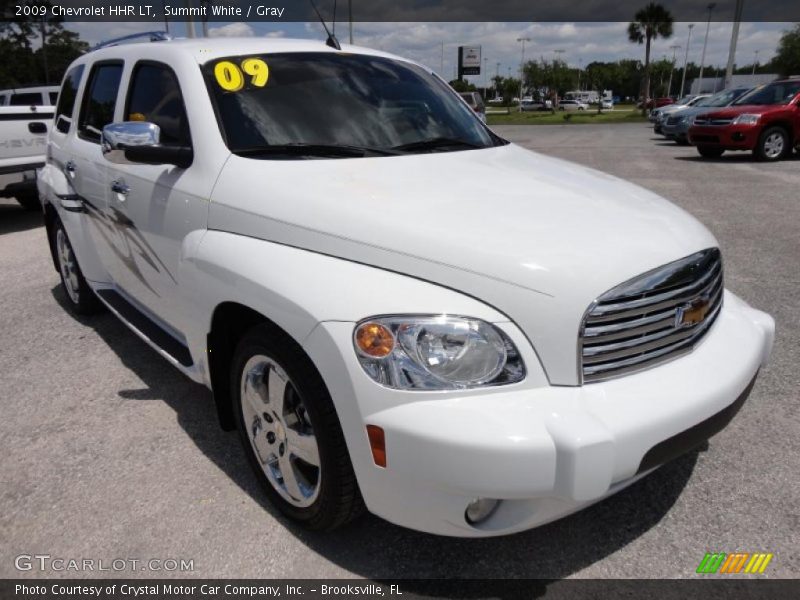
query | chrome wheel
[280, 431]
[68, 266]
[774, 145]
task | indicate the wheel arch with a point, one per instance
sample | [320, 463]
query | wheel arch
[230, 321]
[50, 220]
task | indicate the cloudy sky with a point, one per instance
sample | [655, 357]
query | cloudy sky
[581, 42]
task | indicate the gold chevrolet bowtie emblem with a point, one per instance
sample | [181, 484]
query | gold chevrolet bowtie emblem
[692, 312]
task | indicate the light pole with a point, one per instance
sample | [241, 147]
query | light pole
[521, 67]
[486, 73]
[737, 18]
[755, 63]
[350, 18]
[557, 52]
[497, 81]
[672, 70]
[705, 44]
[686, 59]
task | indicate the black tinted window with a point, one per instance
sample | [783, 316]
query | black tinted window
[66, 103]
[26, 99]
[337, 99]
[99, 100]
[53, 98]
[775, 93]
[155, 96]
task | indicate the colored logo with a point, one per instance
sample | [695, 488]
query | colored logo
[692, 312]
[738, 562]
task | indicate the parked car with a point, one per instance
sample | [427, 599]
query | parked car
[655, 102]
[606, 104]
[384, 324]
[572, 105]
[658, 115]
[23, 143]
[535, 105]
[765, 121]
[676, 125]
[44, 95]
[475, 102]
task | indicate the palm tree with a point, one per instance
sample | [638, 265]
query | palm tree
[651, 22]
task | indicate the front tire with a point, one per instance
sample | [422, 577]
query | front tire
[80, 297]
[773, 144]
[290, 431]
[710, 151]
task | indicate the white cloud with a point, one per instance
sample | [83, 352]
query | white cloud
[239, 29]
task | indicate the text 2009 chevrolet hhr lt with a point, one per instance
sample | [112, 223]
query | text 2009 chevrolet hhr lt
[398, 309]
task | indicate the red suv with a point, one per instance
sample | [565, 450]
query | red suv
[766, 120]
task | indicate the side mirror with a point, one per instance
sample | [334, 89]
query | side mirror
[138, 142]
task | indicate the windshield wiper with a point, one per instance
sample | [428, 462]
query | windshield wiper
[304, 149]
[435, 143]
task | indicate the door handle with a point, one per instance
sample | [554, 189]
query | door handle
[69, 168]
[37, 127]
[119, 187]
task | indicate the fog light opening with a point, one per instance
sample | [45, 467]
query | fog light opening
[480, 509]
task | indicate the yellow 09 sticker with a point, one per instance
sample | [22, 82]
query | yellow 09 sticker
[231, 77]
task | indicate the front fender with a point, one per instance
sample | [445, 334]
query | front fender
[298, 289]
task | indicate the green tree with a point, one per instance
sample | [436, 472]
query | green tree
[787, 58]
[461, 85]
[55, 47]
[650, 23]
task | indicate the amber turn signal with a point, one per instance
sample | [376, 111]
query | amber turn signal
[374, 339]
[377, 442]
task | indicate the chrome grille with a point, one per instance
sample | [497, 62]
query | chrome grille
[701, 120]
[652, 318]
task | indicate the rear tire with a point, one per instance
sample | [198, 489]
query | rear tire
[290, 431]
[80, 297]
[772, 145]
[710, 151]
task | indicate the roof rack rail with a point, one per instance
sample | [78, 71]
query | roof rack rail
[153, 36]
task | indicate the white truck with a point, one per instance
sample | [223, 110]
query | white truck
[23, 143]
[396, 308]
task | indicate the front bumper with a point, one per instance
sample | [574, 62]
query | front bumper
[546, 451]
[728, 137]
[675, 130]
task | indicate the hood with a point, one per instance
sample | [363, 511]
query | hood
[536, 237]
[730, 112]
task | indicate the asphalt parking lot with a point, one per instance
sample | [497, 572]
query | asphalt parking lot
[107, 452]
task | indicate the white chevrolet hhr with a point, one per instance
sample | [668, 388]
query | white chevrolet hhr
[398, 309]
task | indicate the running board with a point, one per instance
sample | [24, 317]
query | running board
[146, 326]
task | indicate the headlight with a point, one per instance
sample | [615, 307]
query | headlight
[687, 120]
[746, 119]
[436, 353]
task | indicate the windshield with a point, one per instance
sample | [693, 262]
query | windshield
[780, 92]
[324, 100]
[722, 98]
[685, 100]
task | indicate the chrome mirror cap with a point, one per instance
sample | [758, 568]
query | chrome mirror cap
[117, 137]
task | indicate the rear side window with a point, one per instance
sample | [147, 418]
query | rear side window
[26, 99]
[155, 96]
[2, 100]
[53, 97]
[99, 101]
[66, 103]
